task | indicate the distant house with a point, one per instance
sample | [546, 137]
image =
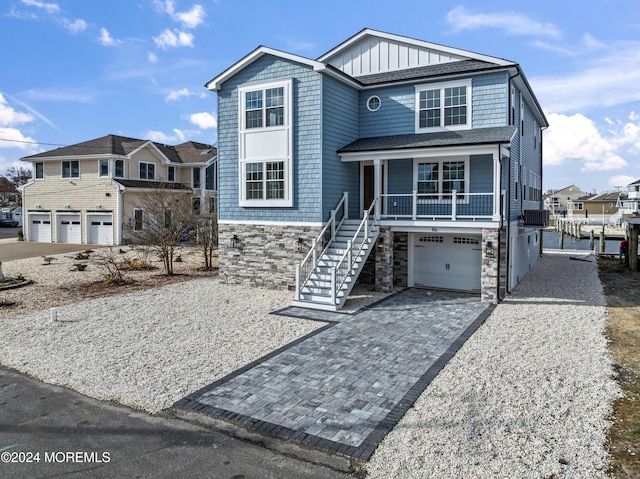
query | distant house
[88, 193]
[630, 204]
[557, 202]
[8, 193]
[426, 155]
[601, 207]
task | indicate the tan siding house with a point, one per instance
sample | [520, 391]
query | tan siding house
[87, 193]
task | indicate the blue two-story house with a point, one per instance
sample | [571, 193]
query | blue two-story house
[418, 162]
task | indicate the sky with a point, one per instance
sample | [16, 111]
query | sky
[75, 70]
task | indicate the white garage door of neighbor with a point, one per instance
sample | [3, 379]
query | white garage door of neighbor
[100, 229]
[40, 228]
[447, 261]
[69, 229]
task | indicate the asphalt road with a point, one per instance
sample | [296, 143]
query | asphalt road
[49, 431]
[10, 250]
[8, 232]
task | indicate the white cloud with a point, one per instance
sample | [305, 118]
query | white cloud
[152, 57]
[177, 136]
[620, 181]
[512, 23]
[106, 39]
[10, 117]
[576, 139]
[77, 26]
[189, 18]
[170, 39]
[204, 120]
[13, 138]
[49, 7]
[177, 94]
[610, 77]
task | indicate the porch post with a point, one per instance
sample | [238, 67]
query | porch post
[377, 180]
[497, 170]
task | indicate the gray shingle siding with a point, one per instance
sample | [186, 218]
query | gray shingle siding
[306, 142]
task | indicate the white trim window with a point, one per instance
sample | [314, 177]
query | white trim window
[39, 170]
[171, 174]
[266, 142]
[71, 169]
[436, 179]
[103, 168]
[118, 169]
[443, 106]
[147, 170]
[138, 220]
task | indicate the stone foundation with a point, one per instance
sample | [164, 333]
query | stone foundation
[263, 255]
[384, 260]
[401, 259]
[489, 276]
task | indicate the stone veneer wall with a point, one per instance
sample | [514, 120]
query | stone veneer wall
[266, 255]
[401, 259]
[489, 276]
[502, 280]
[384, 261]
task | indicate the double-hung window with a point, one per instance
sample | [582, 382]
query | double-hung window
[147, 171]
[265, 159]
[39, 167]
[437, 179]
[443, 106]
[119, 169]
[70, 169]
[103, 169]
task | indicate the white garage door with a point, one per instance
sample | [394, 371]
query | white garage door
[69, 228]
[100, 229]
[447, 261]
[40, 228]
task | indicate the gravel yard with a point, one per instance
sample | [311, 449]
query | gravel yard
[528, 395]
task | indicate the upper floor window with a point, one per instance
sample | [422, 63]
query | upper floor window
[39, 167]
[147, 171]
[195, 177]
[103, 169]
[265, 145]
[171, 173]
[443, 106]
[71, 169]
[119, 169]
[264, 107]
[211, 177]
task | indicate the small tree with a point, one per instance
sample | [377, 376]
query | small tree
[207, 232]
[167, 216]
[18, 175]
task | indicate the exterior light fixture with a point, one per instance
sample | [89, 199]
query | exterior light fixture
[235, 242]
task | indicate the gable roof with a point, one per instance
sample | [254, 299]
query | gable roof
[6, 186]
[115, 145]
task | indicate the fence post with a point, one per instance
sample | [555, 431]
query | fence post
[346, 205]
[333, 225]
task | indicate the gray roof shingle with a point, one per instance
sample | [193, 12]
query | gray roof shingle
[475, 136]
[189, 152]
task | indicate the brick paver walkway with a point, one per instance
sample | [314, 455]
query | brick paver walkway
[344, 387]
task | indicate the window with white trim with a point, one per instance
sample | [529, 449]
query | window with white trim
[443, 106]
[71, 169]
[119, 169]
[171, 173]
[137, 219]
[39, 167]
[103, 168]
[437, 179]
[265, 161]
[147, 171]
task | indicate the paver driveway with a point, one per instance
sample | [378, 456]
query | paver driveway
[345, 386]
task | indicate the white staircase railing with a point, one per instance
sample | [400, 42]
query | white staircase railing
[310, 262]
[343, 270]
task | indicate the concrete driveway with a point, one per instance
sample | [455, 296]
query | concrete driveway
[11, 249]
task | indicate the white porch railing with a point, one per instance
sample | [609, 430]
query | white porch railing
[341, 271]
[449, 206]
[326, 236]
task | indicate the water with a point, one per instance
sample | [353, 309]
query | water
[551, 240]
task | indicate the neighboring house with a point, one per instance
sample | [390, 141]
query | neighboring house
[600, 208]
[431, 155]
[630, 205]
[8, 193]
[89, 193]
[557, 202]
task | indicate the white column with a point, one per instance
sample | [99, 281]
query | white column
[377, 190]
[497, 191]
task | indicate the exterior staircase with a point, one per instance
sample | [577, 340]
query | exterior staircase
[327, 275]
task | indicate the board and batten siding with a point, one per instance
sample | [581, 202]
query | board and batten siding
[339, 128]
[306, 131]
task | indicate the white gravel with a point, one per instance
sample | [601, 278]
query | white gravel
[530, 390]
